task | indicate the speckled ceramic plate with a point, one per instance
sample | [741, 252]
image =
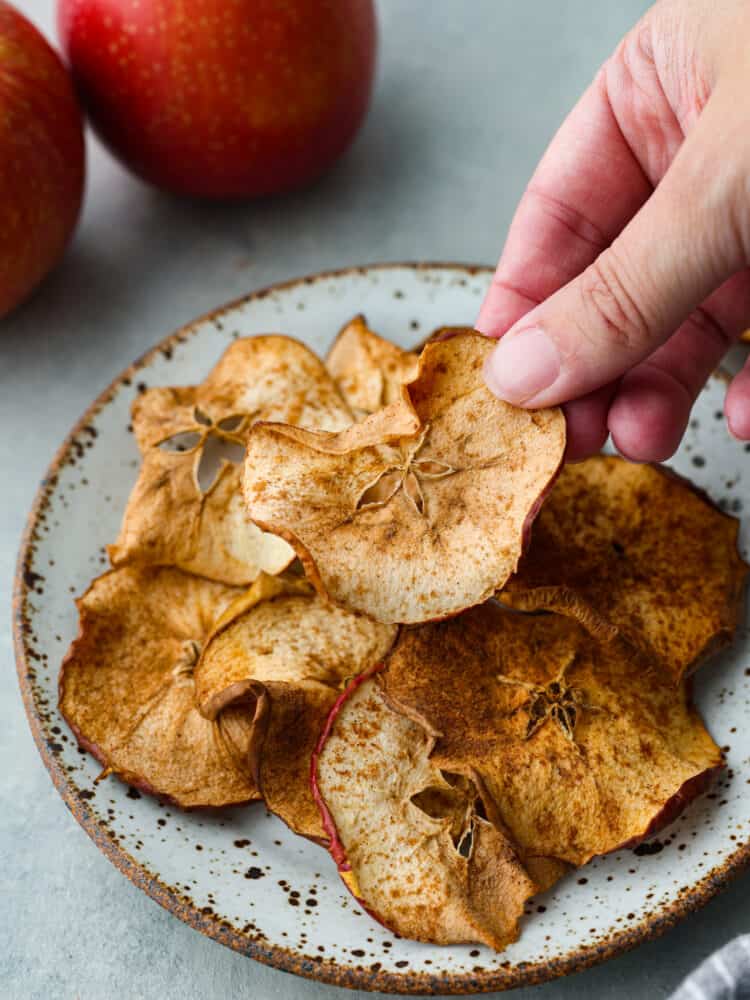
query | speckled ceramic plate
[240, 876]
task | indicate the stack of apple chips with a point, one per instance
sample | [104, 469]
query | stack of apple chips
[327, 569]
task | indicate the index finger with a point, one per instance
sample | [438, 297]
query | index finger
[588, 185]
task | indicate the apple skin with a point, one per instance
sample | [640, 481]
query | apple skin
[42, 159]
[223, 98]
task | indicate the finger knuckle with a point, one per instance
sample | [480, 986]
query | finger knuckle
[716, 337]
[610, 306]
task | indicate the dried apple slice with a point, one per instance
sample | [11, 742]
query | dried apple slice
[128, 693]
[440, 333]
[637, 555]
[423, 508]
[579, 749]
[186, 509]
[277, 661]
[411, 841]
[369, 371]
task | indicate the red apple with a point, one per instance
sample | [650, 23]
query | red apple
[223, 98]
[41, 158]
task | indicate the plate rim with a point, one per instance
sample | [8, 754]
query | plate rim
[504, 977]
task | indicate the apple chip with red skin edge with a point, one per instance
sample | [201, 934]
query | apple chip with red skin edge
[637, 555]
[128, 693]
[186, 508]
[369, 371]
[578, 749]
[423, 508]
[276, 661]
[411, 841]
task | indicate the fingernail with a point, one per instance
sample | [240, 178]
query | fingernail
[522, 365]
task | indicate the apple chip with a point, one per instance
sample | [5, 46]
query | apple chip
[128, 693]
[186, 508]
[277, 661]
[440, 333]
[422, 509]
[638, 555]
[411, 840]
[580, 751]
[369, 371]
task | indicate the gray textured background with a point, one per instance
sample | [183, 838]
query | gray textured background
[468, 95]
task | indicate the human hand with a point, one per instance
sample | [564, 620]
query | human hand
[624, 278]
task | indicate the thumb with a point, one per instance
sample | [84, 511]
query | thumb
[684, 242]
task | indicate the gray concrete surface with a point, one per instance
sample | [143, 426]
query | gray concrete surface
[468, 95]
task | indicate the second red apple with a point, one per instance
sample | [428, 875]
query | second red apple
[222, 99]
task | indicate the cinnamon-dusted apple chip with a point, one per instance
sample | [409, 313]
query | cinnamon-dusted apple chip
[440, 333]
[127, 688]
[277, 661]
[420, 510]
[638, 555]
[411, 841]
[186, 508]
[580, 751]
[369, 371]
